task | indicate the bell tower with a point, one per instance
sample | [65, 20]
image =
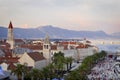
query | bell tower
[10, 38]
[46, 49]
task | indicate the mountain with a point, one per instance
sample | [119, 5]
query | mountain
[28, 33]
[54, 32]
[117, 34]
[22, 33]
[3, 32]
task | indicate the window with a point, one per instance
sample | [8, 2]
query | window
[47, 46]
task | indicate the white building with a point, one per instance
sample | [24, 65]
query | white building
[84, 52]
[4, 66]
[33, 59]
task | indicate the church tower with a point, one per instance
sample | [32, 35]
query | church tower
[10, 38]
[46, 49]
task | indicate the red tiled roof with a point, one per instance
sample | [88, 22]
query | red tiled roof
[11, 66]
[64, 43]
[10, 25]
[72, 42]
[54, 47]
[32, 47]
[3, 41]
[9, 59]
[65, 47]
[18, 40]
[36, 56]
[80, 46]
[67, 42]
[7, 52]
[4, 45]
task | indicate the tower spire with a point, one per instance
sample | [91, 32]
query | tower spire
[46, 39]
[10, 25]
[10, 37]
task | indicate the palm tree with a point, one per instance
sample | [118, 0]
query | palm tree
[45, 72]
[19, 71]
[27, 76]
[36, 74]
[74, 75]
[85, 67]
[51, 69]
[58, 62]
[103, 54]
[67, 62]
[59, 66]
[56, 55]
[70, 59]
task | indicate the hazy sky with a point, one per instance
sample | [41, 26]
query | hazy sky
[69, 14]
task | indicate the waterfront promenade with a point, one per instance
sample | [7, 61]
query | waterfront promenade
[105, 70]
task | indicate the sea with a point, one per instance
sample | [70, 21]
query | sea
[109, 47]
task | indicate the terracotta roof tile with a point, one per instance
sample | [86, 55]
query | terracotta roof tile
[65, 47]
[4, 45]
[11, 66]
[64, 43]
[7, 52]
[9, 59]
[80, 46]
[67, 42]
[32, 47]
[13, 59]
[72, 42]
[18, 40]
[36, 56]
[54, 47]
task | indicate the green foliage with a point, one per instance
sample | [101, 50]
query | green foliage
[35, 74]
[86, 66]
[19, 71]
[56, 68]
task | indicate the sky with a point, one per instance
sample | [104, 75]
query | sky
[77, 15]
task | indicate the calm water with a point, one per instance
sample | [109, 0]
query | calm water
[109, 47]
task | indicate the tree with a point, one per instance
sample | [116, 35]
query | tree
[27, 76]
[51, 69]
[56, 56]
[59, 66]
[74, 75]
[19, 71]
[70, 59]
[67, 62]
[58, 62]
[35, 74]
[45, 72]
[86, 66]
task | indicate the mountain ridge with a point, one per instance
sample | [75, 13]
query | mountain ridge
[55, 32]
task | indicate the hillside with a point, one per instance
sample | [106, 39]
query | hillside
[55, 32]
